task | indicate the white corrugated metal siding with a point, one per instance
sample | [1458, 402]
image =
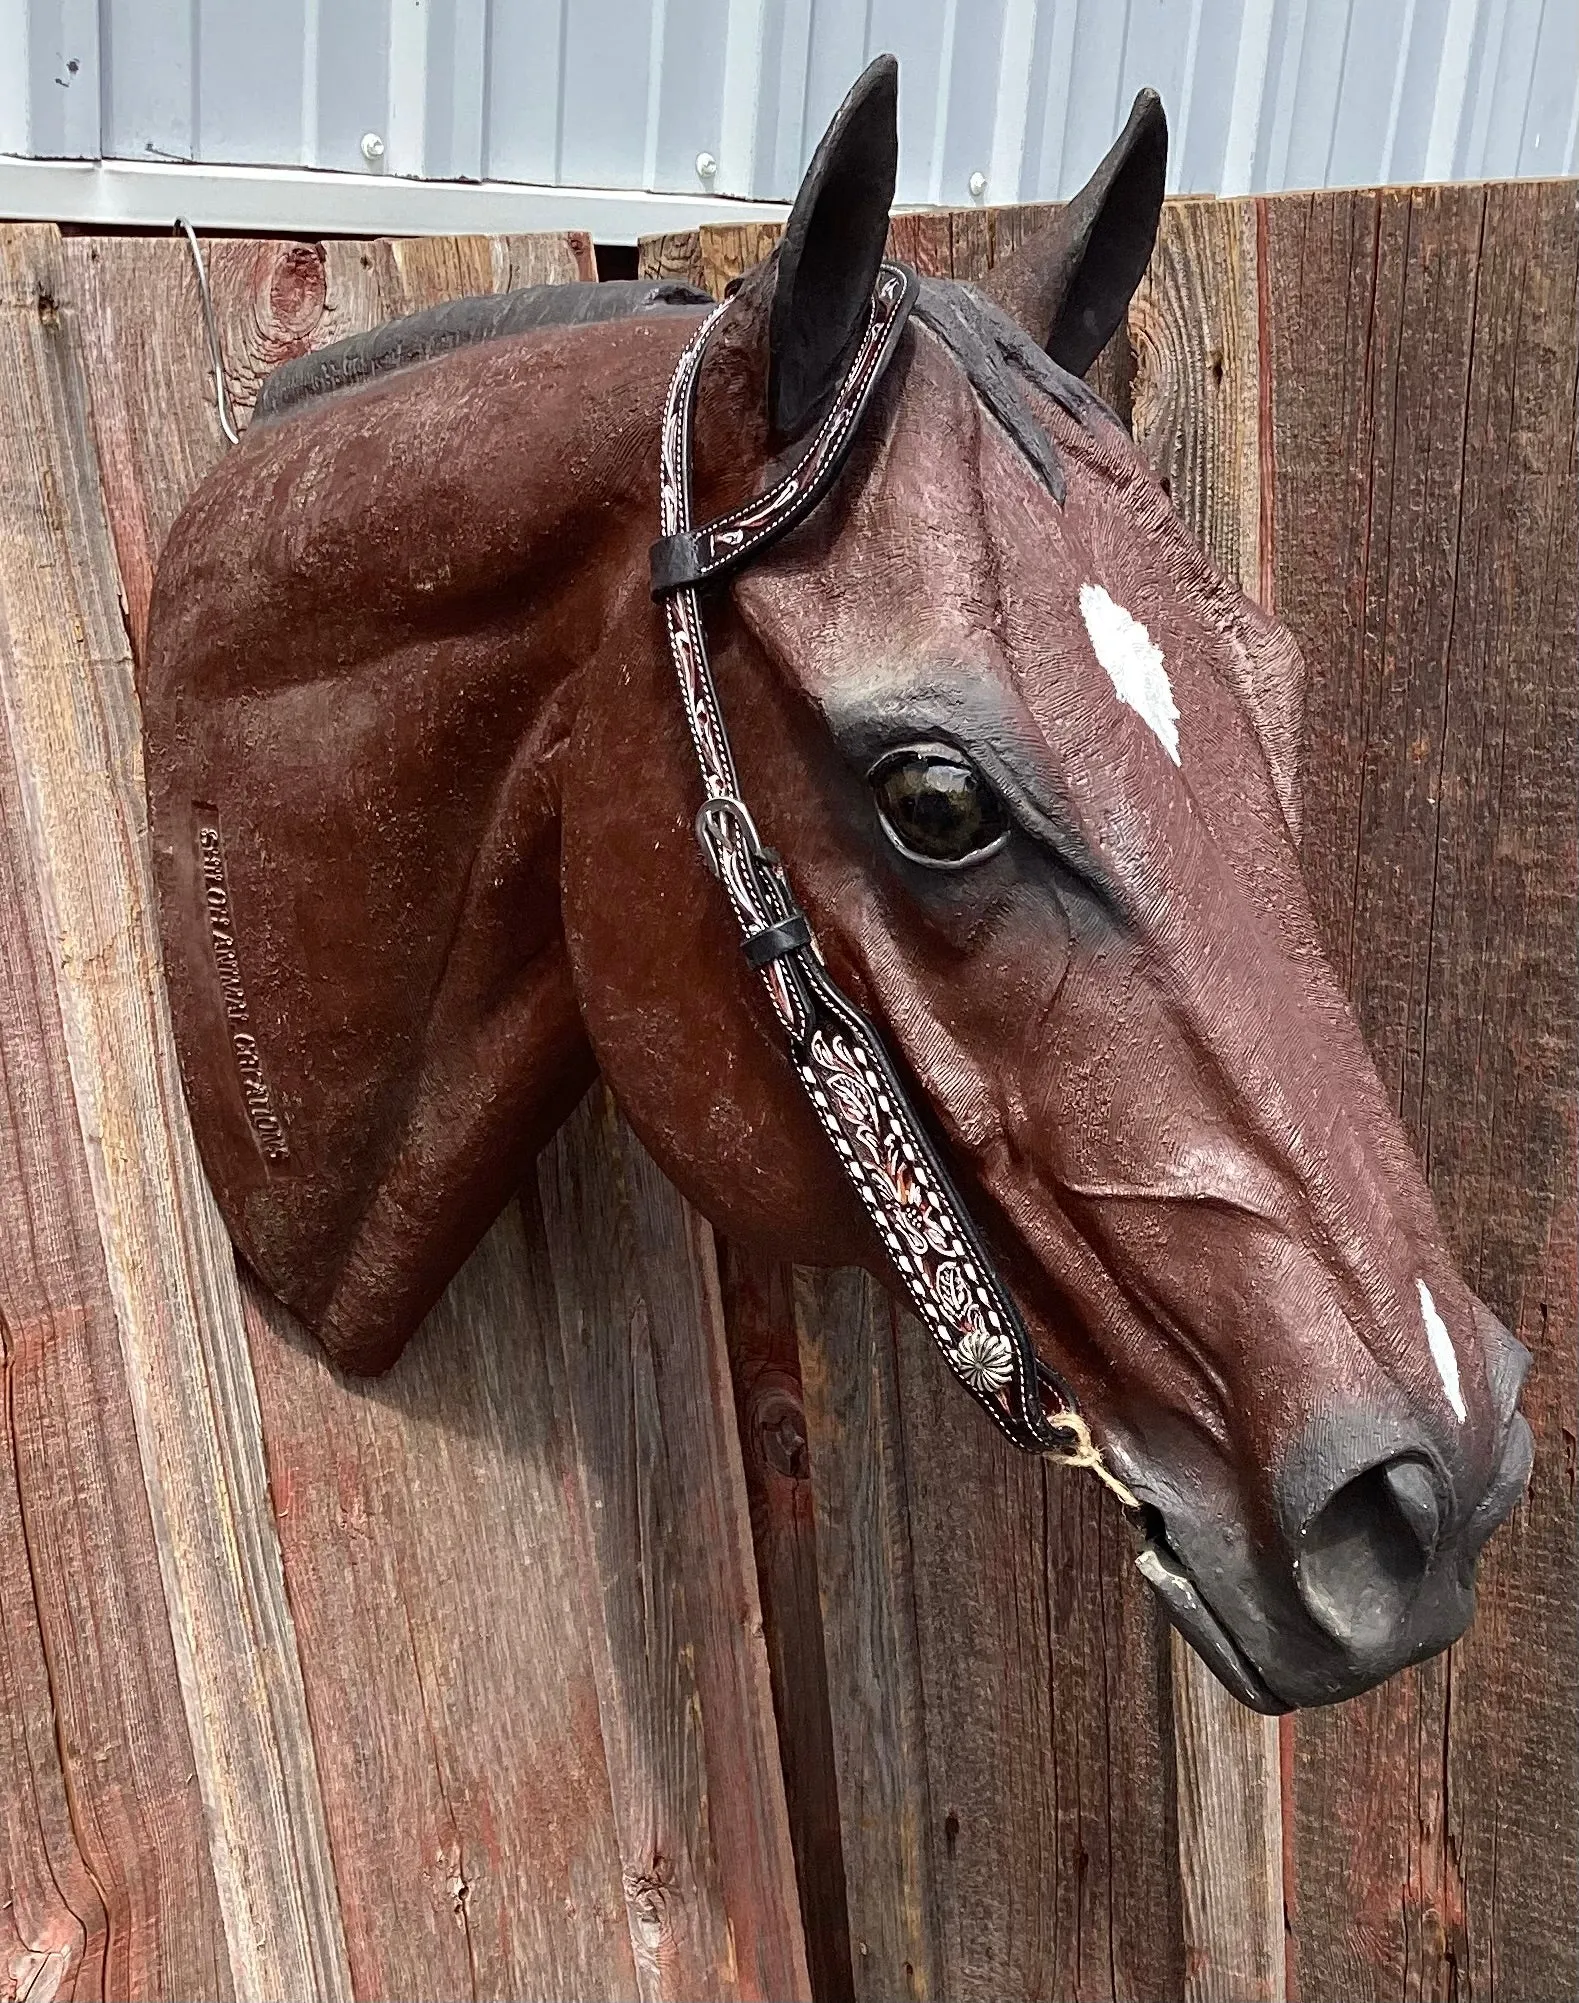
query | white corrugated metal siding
[626, 94]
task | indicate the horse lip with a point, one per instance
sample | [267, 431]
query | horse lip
[1159, 1566]
[1507, 1485]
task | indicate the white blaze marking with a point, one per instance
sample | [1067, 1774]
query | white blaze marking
[1134, 664]
[1442, 1352]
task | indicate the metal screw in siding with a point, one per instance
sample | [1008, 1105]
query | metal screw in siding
[977, 185]
[706, 166]
[372, 148]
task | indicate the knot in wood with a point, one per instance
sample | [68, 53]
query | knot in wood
[778, 1424]
[297, 293]
[647, 1895]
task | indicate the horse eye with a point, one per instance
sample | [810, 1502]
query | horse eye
[936, 807]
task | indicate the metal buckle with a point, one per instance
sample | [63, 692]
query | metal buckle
[724, 806]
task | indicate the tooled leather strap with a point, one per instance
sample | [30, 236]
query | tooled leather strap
[849, 1077]
[685, 556]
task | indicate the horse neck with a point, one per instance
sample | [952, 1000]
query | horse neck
[560, 473]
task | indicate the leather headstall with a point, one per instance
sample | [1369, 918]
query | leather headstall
[851, 1080]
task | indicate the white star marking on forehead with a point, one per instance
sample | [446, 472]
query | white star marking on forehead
[1443, 1354]
[1134, 664]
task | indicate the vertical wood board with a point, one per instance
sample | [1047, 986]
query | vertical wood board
[1195, 336]
[170, 1274]
[108, 1887]
[1423, 397]
[770, 1409]
[684, 1683]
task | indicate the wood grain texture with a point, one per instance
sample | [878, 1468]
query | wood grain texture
[1197, 414]
[1043, 1659]
[1230, 1840]
[1423, 391]
[671, 1589]
[435, 1551]
[1196, 397]
[106, 1886]
[764, 1359]
[866, 1577]
[725, 250]
[994, 1667]
[71, 720]
[674, 254]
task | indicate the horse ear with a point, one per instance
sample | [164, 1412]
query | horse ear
[1069, 284]
[831, 249]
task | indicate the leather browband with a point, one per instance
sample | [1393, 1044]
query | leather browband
[690, 557]
[851, 1081]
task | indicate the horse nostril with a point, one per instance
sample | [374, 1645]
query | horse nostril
[1364, 1553]
[1412, 1489]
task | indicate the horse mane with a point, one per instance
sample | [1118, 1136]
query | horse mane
[992, 349]
[462, 323]
[998, 356]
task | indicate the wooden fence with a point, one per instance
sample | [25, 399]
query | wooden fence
[465, 1683]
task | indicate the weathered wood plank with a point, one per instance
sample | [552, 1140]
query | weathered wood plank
[671, 1587]
[1194, 331]
[114, 1896]
[764, 1359]
[1230, 1840]
[674, 254]
[724, 250]
[434, 1552]
[1042, 1661]
[72, 723]
[993, 1664]
[1196, 397]
[866, 1576]
[1504, 1012]
[1423, 384]
[373, 280]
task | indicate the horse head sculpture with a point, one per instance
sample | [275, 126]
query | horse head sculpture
[422, 798]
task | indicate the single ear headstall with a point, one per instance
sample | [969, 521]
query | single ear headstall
[849, 1077]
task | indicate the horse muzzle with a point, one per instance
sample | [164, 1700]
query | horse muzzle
[1376, 1566]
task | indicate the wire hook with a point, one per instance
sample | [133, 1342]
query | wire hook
[227, 422]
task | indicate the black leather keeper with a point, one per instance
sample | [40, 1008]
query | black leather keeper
[774, 941]
[676, 562]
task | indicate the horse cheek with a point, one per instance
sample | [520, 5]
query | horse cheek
[681, 1030]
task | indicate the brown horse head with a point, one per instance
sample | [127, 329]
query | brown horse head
[422, 803]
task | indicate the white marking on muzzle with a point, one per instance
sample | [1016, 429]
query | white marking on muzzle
[1134, 664]
[1443, 1354]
